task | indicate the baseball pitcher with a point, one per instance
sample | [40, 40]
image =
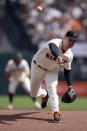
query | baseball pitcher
[45, 66]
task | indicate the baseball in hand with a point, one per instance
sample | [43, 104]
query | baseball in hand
[39, 8]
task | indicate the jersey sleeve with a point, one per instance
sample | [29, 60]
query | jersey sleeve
[67, 65]
[67, 57]
[8, 66]
[26, 66]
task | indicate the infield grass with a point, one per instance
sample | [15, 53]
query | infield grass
[24, 102]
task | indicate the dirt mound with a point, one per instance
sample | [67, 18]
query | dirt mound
[41, 120]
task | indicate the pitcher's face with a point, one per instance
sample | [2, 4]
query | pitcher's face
[67, 43]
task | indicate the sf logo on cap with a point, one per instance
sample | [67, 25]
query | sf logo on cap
[75, 35]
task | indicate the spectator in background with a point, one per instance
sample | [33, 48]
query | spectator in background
[54, 18]
[17, 72]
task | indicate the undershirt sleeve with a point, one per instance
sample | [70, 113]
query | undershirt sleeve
[54, 50]
[67, 74]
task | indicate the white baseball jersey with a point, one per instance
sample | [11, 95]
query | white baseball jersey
[45, 58]
[17, 71]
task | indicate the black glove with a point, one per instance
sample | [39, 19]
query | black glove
[69, 96]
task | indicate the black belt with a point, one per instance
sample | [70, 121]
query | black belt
[39, 65]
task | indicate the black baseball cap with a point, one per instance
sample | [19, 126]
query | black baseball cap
[72, 35]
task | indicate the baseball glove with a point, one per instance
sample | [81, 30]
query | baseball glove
[69, 96]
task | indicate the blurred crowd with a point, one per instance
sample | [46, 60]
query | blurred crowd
[57, 17]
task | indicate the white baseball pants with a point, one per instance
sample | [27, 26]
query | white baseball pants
[51, 81]
[14, 84]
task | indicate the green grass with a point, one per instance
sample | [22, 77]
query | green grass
[24, 102]
[79, 104]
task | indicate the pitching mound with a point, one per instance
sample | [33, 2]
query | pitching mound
[41, 120]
